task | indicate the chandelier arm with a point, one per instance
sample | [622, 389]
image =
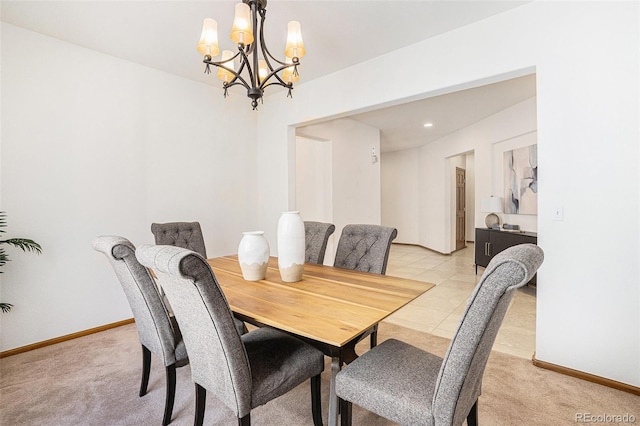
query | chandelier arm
[274, 73]
[236, 83]
[267, 55]
[276, 83]
[244, 60]
[255, 80]
[207, 59]
[263, 45]
[237, 75]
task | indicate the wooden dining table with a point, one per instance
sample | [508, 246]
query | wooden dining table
[330, 308]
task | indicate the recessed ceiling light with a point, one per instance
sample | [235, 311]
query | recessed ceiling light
[428, 124]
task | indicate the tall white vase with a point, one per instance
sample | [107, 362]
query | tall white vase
[253, 255]
[291, 246]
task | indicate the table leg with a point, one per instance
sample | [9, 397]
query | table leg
[333, 398]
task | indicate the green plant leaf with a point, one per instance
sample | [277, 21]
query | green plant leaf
[24, 243]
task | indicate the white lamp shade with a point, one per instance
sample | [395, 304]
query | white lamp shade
[223, 74]
[263, 70]
[491, 205]
[241, 32]
[295, 45]
[208, 44]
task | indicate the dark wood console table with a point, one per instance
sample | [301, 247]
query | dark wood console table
[490, 242]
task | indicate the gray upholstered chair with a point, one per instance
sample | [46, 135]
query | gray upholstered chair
[180, 234]
[245, 371]
[365, 248]
[316, 235]
[186, 235]
[412, 387]
[157, 331]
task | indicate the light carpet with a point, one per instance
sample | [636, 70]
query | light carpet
[94, 380]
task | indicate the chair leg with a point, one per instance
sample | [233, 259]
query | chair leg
[171, 393]
[146, 368]
[316, 402]
[345, 413]
[201, 398]
[472, 417]
[245, 421]
[374, 337]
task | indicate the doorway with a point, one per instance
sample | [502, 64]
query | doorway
[461, 223]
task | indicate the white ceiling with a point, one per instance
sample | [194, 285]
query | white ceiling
[402, 126]
[337, 34]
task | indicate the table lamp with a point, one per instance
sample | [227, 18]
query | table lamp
[491, 205]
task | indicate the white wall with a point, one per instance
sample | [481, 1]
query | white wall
[470, 201]
[400, 184]
[95, 145]
[587, 111]
[313, 179]
[458, 161]
[428, 174]
[355, 178]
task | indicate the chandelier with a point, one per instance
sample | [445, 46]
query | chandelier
[257, 69]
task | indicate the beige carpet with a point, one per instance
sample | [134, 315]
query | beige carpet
[94, 380]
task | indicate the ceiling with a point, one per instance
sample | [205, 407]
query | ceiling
[337, 34]
[402, 126]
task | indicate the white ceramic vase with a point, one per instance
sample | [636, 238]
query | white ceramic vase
[253, 255]
[291, 246]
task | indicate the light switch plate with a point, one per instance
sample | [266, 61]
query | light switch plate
[558, 213]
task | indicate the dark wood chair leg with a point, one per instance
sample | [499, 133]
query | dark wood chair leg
[472, 417]
[245, 421]
[316, 401]
[345, 413]
[374, 336]
[146, 368]
[201, 398]
[171, 393]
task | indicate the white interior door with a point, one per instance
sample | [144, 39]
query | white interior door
[313, 184]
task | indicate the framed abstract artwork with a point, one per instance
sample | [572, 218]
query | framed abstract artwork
[521, 180]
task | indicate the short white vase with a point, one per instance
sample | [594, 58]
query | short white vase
[253, 255]
[291, 246]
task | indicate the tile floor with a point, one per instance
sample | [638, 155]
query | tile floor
[438, 310]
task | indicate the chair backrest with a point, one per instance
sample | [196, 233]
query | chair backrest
[316, 235]
[180, 234]
[459, 382]
[365, 248]
[217, 356]
[155, 329]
